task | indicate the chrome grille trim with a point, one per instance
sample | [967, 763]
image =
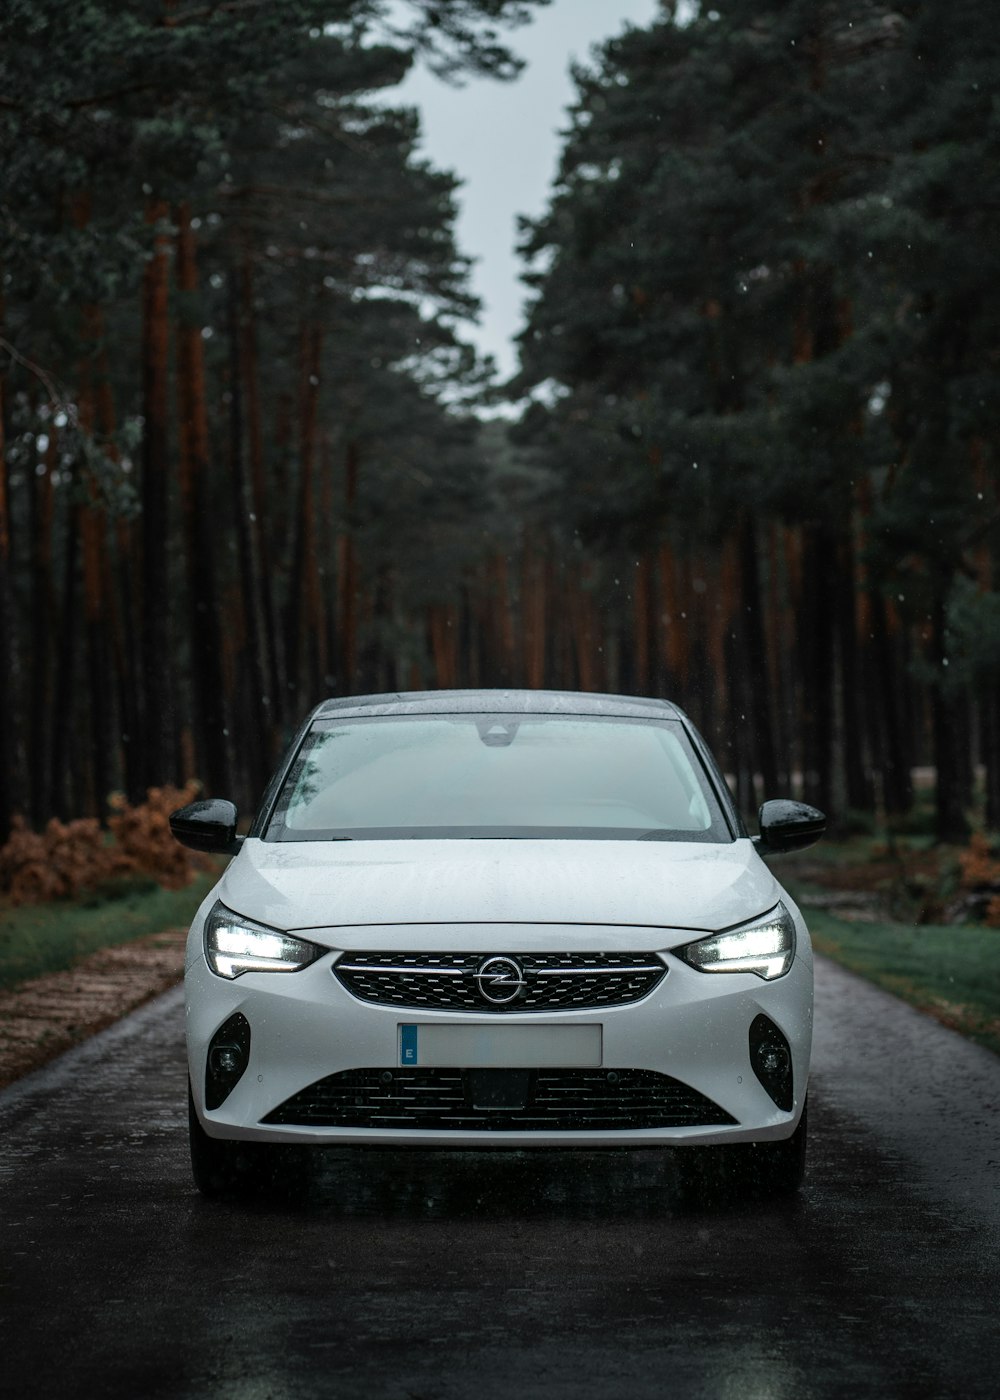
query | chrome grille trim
[589, 971]
[409, 971]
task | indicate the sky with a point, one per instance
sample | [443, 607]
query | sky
[502, 140]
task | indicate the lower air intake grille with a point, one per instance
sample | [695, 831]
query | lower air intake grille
[579, 1100]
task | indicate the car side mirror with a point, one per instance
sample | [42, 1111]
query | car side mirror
[788, 826]
[207, 826]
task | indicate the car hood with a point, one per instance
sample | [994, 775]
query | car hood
[671, 885]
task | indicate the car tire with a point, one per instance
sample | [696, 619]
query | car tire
[772, 1169]
[215, 1163]
[754, 1170]
[223, 1167]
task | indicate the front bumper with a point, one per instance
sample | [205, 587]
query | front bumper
[692, 1027]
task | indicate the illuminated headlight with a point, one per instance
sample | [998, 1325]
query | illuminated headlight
[765, 947]
[234, 945]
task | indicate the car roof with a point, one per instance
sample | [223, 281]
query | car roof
[542, 702]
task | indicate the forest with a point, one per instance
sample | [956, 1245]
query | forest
[749, 460]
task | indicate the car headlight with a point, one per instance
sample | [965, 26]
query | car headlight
[765, 946]
[234, 945]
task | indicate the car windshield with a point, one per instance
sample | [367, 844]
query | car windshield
[497, 775]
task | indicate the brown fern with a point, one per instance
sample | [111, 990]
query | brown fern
[70, 858]
[979, 867]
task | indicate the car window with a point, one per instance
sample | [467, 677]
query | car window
[497, 775]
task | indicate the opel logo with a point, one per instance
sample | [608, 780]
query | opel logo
[500, 980]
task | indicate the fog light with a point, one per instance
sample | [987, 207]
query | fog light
[225, 1061]
[771, 1061]
[228, 1057]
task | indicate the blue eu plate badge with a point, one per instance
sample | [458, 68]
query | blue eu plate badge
[407, 1045]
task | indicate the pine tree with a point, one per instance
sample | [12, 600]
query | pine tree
[764, 290]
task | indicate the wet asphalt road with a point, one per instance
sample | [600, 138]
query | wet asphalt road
[431, 1276]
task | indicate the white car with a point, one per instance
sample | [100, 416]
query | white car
[498, 919]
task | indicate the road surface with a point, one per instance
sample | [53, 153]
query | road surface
[435, 1276]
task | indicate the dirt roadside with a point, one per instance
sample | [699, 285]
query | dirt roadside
[42, 1018]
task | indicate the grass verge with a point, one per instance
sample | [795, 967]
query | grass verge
[950, 972]
[39, 938]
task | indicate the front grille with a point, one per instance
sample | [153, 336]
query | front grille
[447, 981]
[558, 1100]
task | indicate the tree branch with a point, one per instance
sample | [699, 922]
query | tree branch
[59, 398]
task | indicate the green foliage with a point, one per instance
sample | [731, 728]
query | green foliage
[950, 973]
[765, 220]
[41, 938]
[313, 215]
[974, 632]
[766, 292]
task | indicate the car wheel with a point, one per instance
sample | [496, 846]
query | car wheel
[772, 1168]
[215, 1163]
[222, 1167]
[758, 1170]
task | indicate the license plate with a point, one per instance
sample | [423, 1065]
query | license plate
[436, 1046]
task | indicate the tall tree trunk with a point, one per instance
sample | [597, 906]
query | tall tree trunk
[779, 629]
[533, 610]
[895, 759]
[257, 705]
[640, 671]
[714, 675]
[324, 562]
[41, 506]
[120, 571]
[816, 647]
[329, 580]
[562, 635]
[250, 379]
[122, 704]
[737, 747]
[987, 566]
[158, 739]
[348, 581]
[8, 708]
[92, 528]
[585, 629]
[304, 583]
[856, 748]
[442, 622]
[795, 659]
[759, 693]
[673, 630]
[470, 640]
[211, 745]
[127, 654]
[989, 729]
[98, 652]
[503, 619]
[63, 789]
[950, 727]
